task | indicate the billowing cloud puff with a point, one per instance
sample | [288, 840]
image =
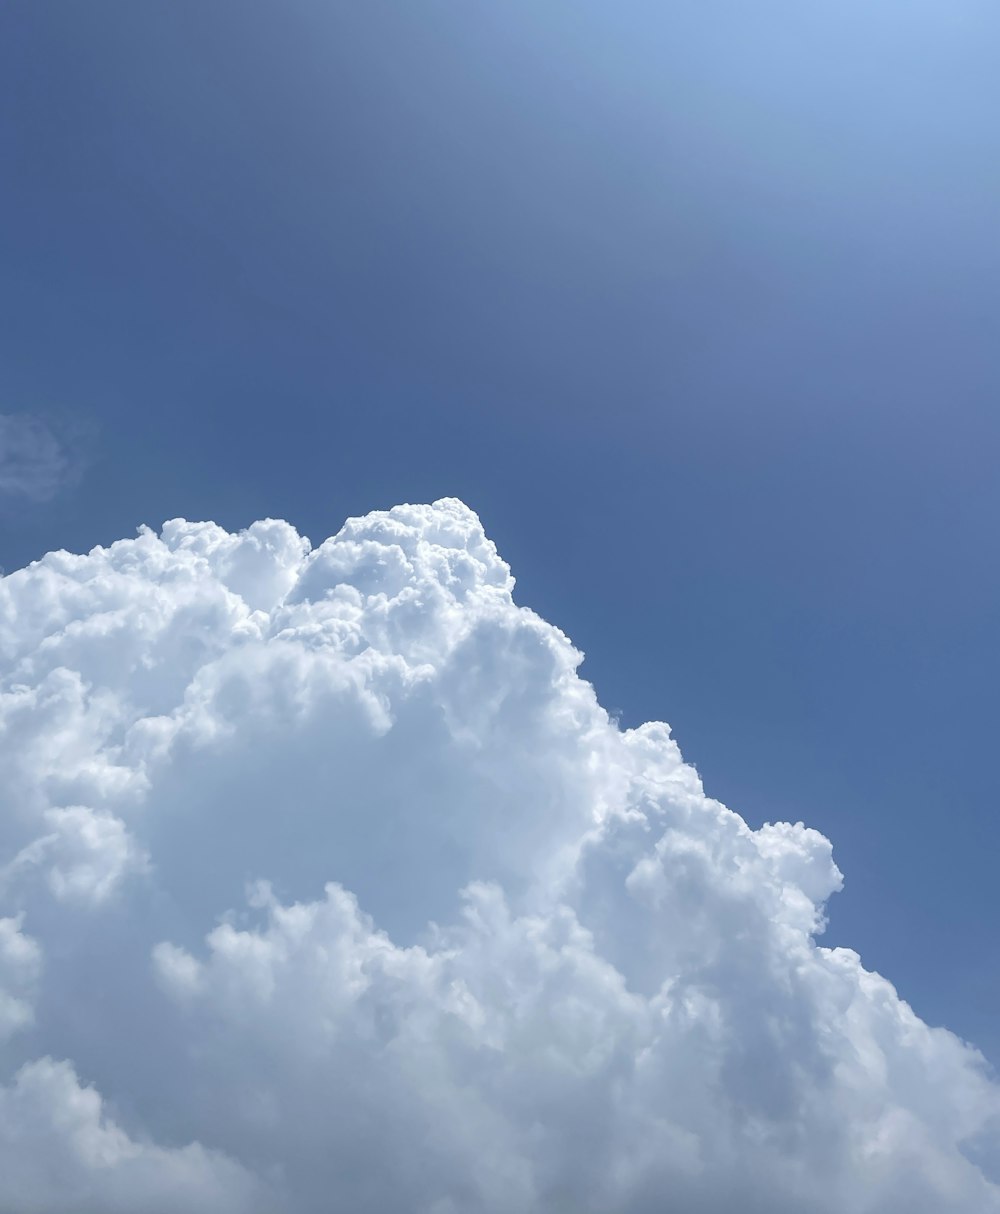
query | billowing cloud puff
[327, 885]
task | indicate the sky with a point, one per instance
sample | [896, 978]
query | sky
[693, 303]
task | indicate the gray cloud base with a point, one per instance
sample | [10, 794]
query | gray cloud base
[327, 885]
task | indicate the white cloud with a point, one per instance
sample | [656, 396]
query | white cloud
[85, 854]
[339, 886]
[20, 963]
[33, 462]
[59, 1149]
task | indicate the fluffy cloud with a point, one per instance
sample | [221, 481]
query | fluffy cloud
[60, 1150]
[19, 966]
[327, 885]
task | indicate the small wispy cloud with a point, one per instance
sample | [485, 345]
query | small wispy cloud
[34, 463]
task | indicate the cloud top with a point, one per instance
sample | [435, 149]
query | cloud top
[327, 885]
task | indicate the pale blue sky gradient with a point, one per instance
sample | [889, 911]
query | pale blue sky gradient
[695, 303]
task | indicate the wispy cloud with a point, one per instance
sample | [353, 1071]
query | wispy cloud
[34, 463]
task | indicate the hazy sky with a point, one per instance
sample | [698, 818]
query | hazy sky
[695, 303]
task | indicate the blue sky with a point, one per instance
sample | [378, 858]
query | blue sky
[694, 303]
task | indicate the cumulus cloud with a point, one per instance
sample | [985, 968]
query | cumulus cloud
[92, 1166]
[327, 885]
[19, 966]
[33, 462]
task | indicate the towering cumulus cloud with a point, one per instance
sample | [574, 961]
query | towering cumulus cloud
[327, 887]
